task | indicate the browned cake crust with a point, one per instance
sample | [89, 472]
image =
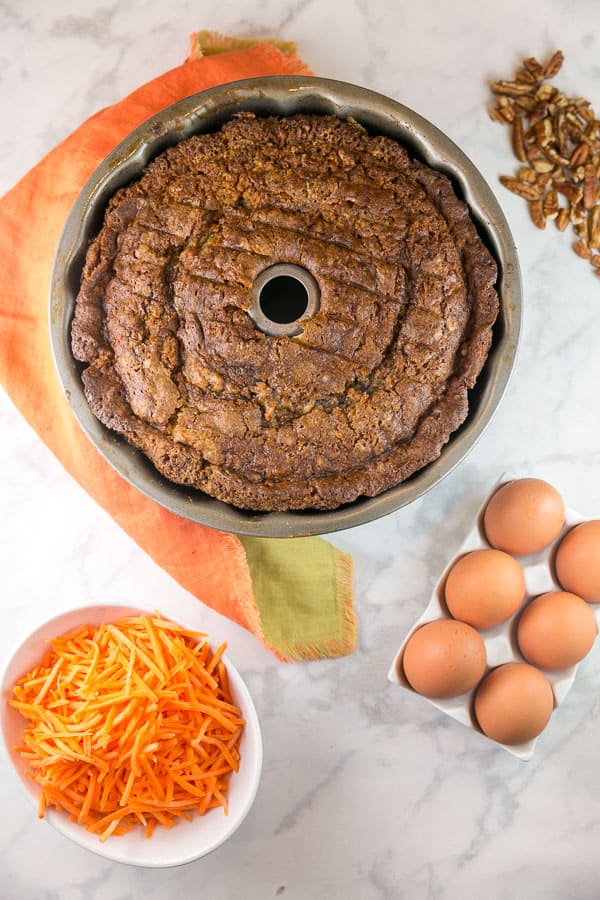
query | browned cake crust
[376, 383]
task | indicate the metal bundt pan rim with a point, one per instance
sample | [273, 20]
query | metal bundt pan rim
[284, 95]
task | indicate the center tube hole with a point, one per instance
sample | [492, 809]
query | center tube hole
[283, 299]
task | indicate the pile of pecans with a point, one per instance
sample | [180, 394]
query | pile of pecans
[557, 139]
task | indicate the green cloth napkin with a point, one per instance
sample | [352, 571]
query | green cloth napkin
[303, 588]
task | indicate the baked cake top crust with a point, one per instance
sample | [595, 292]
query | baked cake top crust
[376, 382]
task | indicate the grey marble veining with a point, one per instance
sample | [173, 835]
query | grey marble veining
[368, 793]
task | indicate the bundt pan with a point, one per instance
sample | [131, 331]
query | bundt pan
[284, 96]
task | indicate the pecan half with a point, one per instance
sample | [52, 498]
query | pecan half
[568, 190]
[550, 204]
[537, 214]
[562, 219]
[581, 248]
[553, 65]
[522, 188]
[590, 187]
[579, 155]
[523, 75]
[518, 139]
[543, 133]
[595, 228]
[510, 88]
[534, 67]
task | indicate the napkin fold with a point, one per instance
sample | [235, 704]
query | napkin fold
[295, 595]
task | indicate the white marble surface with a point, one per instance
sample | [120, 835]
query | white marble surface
[368, 792]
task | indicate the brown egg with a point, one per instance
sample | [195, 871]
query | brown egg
[578, 561]
[485, 588]
[513, 703]
[524, 516]
[556, 630]
[444, 658]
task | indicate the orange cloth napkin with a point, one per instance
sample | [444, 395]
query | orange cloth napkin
[210, 564]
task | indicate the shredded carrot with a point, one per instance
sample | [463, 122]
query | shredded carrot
[130, 724]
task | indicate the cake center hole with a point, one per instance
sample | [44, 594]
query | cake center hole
[284, 296]
[283, 299]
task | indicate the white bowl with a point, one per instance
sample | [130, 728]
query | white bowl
[181, 844]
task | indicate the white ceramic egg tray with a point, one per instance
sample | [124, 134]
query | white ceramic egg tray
[500, 642]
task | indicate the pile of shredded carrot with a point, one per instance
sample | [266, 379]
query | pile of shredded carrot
[129, 724]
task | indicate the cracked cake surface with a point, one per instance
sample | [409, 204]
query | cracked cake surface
[376, 382]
